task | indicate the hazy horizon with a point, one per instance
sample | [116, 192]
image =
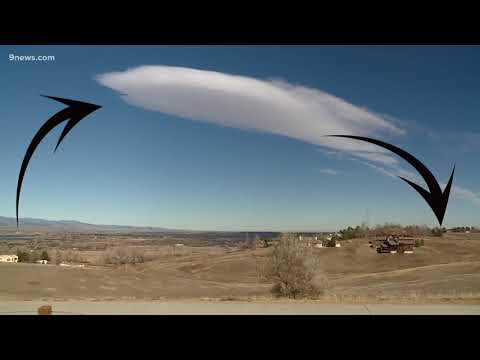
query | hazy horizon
[167, 228]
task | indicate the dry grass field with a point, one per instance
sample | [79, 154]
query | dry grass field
[445, 269]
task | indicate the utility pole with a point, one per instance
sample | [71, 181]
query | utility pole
[368, 218]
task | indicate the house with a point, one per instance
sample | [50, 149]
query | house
[42, 262]
[308, 238]
[9, 258]
[393, 244]
[334, 236]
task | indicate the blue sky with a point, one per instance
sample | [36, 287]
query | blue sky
[181, 152]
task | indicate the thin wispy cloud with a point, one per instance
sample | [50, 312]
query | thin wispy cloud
[462, 142]
[465, 194]
[395, 171]
[457, 192]
[271, 106]
[329, 172]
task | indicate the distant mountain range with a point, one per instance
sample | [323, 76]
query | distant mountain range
[77, 226]
[69, 225]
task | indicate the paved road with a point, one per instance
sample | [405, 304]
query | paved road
[230, 308]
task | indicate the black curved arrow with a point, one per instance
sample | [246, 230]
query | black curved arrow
[436, 199]
[75, 111]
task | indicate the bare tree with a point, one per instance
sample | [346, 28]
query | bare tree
[55, 256]
[248, 244]
[294, 269]
[121, 255]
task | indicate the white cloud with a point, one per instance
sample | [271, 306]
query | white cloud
[242, 102]
[271, 106]
[328, 171]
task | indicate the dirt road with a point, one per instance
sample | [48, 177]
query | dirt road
[230, 308]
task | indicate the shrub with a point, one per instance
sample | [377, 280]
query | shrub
[293, 268]
[23, 256]
[55, 257]
[330, 243]
[266, 242]
[71, 256]
[248, 245]
[122, 255]
[45, 256]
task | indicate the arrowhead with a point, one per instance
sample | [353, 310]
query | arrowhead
[75, 103]
[443, 199]
[436, 199]
[78, 110]
[75, 111]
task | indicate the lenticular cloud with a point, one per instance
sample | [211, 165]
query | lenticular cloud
[276, 107]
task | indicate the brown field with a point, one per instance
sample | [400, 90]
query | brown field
[445, 269]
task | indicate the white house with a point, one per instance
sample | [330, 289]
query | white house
[9, 258]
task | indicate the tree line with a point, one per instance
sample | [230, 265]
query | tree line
[389, 228]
